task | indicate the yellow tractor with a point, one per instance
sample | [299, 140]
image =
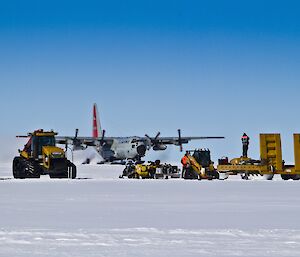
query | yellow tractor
[200, 166]
[41, 156]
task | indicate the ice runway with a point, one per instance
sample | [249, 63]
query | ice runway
[150, 242]
[101, 215]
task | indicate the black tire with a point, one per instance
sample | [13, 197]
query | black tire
[16, 167]
[245, 176]
[19, 168]
[59, 175]
[34, 169]
[295, 177]
[216, 175]
[70, 173]
[213, 175]
[190, 174]
[285, 176]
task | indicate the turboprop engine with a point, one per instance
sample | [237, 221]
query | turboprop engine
[159, 147]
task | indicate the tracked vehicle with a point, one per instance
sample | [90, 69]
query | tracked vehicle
[41, 156]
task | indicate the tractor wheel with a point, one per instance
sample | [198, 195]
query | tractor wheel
[16, 167]
[245, 176]
[295, 177]
[190, 174]
[217, 176]
[134, 175]
[285, 176]
[34, 170]
[59, 175]
[195, 175]
[19, 171]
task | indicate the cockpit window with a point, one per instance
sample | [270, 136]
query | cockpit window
[45, 141]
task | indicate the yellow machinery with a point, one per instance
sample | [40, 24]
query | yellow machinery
[41, 156]
[140, 170]
[150, 170]
[200, 166]
[270, 162]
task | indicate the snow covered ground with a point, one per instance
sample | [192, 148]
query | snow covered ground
[101, 215]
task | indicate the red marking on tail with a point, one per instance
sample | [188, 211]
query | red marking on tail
[95, 125]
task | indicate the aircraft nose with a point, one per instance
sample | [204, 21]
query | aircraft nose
[141, 150]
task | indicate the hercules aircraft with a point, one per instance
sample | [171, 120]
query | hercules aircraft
[113, 149]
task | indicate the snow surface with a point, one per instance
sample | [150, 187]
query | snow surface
[99, 214]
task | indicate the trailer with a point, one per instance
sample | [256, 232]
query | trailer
[269, 164]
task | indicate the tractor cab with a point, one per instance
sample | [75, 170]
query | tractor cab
[202, 156]
[38, 139]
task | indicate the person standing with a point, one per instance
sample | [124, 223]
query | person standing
[245, 141]
[185, 162]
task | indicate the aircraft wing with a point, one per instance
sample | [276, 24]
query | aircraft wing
[177, 140]
[86, 141]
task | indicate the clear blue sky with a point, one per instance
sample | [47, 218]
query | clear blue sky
[208, 67]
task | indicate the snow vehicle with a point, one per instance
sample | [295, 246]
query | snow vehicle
[201, 166]
[150, 170]
[41, 156]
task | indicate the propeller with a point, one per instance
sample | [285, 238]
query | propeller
[76, 133]
[153, 141]
[156, 144]
[76, 143]
[180, 140]
[102, 138]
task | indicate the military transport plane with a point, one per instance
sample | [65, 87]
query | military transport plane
[113, 149]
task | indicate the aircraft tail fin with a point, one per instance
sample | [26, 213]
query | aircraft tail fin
[97, 130]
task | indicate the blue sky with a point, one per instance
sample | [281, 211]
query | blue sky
[208, 67]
